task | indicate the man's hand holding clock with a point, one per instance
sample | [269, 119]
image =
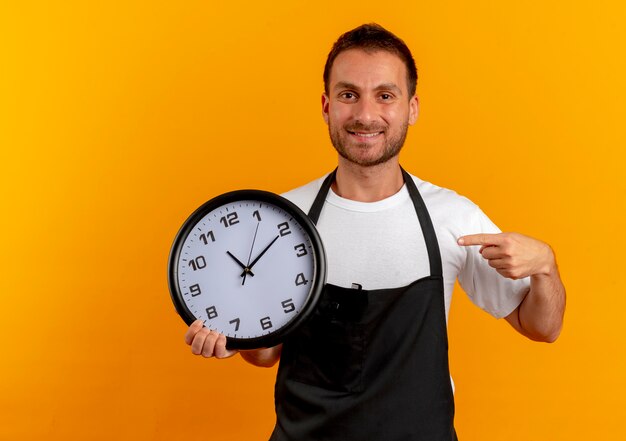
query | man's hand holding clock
[207, 343]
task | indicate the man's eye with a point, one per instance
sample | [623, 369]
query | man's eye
[386, 96]
[347, 95]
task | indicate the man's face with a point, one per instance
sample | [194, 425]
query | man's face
[367, 108]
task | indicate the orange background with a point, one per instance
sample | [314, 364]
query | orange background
[118, 119]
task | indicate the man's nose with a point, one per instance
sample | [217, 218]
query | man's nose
[365, 110]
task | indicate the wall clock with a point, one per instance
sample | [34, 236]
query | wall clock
[250, 264]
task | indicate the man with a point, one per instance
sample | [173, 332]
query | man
[372, 361]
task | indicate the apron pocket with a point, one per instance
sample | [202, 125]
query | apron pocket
[330, 354]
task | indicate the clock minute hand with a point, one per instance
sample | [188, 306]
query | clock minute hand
[240, 263]
[262, 252]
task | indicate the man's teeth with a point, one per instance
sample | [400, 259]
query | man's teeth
[366, 135]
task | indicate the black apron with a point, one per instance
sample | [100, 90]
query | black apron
[370, 365]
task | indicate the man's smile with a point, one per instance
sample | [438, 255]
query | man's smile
[367, 135]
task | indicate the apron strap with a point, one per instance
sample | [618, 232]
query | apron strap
[432, 245]
[318, 203]
[434, 254]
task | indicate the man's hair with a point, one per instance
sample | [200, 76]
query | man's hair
[373, 37]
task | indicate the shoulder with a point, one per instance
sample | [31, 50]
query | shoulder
[453, 216]
[447, 206]
[304, 195]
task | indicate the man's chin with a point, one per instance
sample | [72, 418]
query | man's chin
[365, 161]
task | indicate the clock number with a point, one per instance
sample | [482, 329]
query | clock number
[197, 263]
[257, 215]
[211, 312]
[195, 290]
[266, 323]
[283, 229]
[205, 237]
[301, 249]
[288, 306]
[230, 219]
[300, 280]
[235, 322]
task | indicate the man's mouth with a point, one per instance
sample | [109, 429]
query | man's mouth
[364, 134]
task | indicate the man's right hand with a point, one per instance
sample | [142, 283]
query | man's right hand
[207, 343]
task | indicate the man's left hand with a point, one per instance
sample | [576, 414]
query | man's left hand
[513, 255]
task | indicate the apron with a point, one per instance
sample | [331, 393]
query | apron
[370, 365]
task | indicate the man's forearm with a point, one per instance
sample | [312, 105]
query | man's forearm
[266, 357]
[541, 312]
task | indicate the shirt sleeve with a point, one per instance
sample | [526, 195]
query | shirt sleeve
[496, 294]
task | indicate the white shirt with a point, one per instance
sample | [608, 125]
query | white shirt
[381, 245]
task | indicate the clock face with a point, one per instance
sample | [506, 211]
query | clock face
[249, 264]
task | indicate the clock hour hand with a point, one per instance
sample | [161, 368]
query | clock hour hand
[240, 264]
[260, 255]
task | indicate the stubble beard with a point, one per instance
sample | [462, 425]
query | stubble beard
[391, 148]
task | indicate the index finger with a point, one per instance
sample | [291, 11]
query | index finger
[479, 239]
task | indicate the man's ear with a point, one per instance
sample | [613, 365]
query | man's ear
[413, 109]
[325, 105]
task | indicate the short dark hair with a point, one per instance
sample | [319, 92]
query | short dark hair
[373, 37]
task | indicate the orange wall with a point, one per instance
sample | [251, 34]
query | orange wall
[118, 119]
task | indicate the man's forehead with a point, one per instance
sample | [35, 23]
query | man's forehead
[368, 56]
[356, 66]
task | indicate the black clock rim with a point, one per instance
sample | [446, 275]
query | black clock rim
[319, 264]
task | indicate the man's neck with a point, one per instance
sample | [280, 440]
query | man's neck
[368, 184]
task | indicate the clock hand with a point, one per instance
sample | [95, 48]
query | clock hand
[253, 240]
[246, 270]
[240, 263]
[260, 255]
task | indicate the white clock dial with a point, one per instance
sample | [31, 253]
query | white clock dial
[246, 267]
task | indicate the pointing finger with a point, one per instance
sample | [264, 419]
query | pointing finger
[479, 239]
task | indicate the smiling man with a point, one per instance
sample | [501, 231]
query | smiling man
[372, 362]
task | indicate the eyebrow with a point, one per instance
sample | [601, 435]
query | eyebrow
[384, 86]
